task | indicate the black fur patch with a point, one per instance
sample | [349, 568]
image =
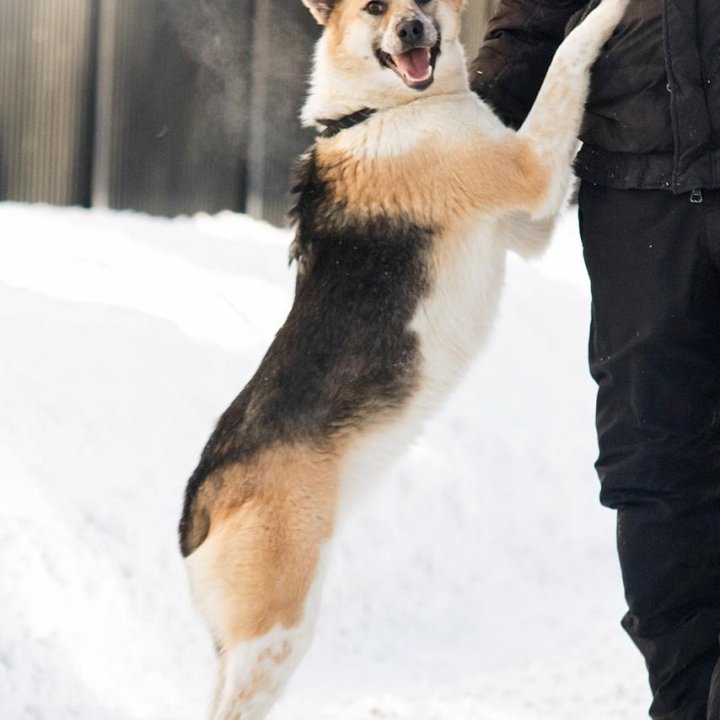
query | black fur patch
[345, 352]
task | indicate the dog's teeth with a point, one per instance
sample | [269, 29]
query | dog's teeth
[415, 64]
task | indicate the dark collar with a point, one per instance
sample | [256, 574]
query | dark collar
[333, 127]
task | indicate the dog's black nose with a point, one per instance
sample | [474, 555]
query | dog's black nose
[411, 31]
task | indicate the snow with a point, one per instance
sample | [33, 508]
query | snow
[478, 582]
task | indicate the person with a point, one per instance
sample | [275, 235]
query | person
[649, 207]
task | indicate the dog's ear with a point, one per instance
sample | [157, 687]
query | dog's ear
[320, 9]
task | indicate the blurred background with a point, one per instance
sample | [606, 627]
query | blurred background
[167, 107]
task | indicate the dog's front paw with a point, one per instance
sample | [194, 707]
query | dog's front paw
[612, 11]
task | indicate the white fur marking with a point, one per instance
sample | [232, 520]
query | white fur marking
[255, 672]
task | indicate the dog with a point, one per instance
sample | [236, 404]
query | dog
[407, 204]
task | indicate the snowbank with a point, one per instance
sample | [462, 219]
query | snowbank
[479, 582]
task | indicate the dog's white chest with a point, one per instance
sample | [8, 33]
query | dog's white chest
[455, 319]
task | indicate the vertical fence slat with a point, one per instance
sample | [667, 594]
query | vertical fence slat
[279, 84]
[102, 120]
[257, 128]
[177, 140]
[44, 95]
[473, 29]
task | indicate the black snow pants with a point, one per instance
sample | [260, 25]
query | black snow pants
[654, 265]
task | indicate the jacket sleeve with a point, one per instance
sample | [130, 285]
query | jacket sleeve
[520, 41]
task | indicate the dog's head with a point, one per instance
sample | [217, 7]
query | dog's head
[385, 52]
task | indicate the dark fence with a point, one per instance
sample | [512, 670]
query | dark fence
[164, 106]
[46, 86]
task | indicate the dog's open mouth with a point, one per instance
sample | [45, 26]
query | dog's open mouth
[415, 67]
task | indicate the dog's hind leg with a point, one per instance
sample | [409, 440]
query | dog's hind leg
[554, 121]
[256, 577]
[253, 673]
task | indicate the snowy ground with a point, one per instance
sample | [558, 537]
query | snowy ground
[478, 583]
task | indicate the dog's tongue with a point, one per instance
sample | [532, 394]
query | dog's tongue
[415, 64]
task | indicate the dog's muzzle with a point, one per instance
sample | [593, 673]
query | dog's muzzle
[415, 63]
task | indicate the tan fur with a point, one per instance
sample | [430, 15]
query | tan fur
[436, 185]
[336, 26]
[346, 12]
[318, 12]
[277, 657]
[351, 11]
[269, 519]
[260, 680]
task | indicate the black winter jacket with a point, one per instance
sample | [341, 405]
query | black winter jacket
[653, 114]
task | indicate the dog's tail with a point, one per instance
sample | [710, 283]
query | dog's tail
[256, 576]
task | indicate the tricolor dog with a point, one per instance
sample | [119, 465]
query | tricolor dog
[406, 206]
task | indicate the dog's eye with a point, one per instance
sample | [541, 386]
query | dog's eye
[423, 2]
[375, 8]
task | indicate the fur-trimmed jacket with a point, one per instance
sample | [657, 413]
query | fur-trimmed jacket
[653, 115]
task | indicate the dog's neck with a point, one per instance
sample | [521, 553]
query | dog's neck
[335, 93]
[335, 125]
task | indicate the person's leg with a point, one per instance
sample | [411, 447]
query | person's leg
[655, 354]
